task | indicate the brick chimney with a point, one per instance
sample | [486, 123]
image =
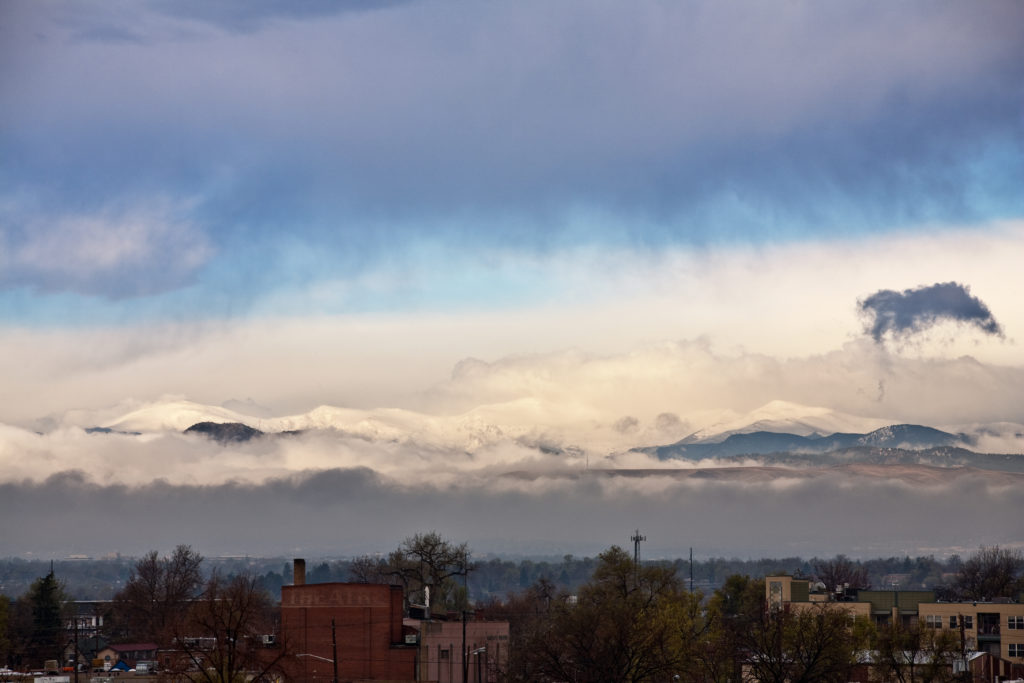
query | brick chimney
[299, 572]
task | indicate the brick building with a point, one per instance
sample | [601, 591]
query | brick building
[441, 648]
[367, 633]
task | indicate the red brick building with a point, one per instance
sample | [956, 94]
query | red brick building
[368, 634]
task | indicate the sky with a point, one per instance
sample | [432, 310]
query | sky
[563, 214]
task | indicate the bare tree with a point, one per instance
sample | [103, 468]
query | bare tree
[430, 560]
[992, 572]
[809, 645]
[368, 569]
[841, 572]
[225, 636]
[154, 600]
[916, 654]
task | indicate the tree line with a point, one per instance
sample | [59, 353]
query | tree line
[641, 623]
[624, 620]
[100, 579]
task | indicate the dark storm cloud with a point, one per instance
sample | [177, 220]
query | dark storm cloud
[359, 129]
[352, 511]
[902, 314]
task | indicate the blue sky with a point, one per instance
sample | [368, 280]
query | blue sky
[268, 146]
[172, 165]
[473, 228]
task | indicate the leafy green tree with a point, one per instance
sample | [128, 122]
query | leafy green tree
[732, 612]
[628, 623]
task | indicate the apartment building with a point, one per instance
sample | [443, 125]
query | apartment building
[995, 628]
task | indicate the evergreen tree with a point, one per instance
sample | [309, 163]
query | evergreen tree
[46, 603]
[5, 640]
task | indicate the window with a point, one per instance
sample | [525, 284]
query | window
[775, 595]
[968, 621]
[1016, 649]
[1015, 623]
[933, 621]
[952, 622]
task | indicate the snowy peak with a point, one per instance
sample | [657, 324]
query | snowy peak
[175, 415]
[788, 418]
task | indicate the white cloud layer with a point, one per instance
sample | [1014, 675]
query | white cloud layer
[764, 324]
[118, 252]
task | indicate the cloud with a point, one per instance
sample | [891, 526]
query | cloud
[615, 333]
[246, 16]
[115, 252]
[372, 128]
[907, 313]
[346, 511]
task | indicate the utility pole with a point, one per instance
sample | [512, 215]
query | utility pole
[691, 568]
[465, 660]
[334, 651]
[465, 588]
[78, 654]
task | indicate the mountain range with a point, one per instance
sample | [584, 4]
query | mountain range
[774, 428]
[900, 436]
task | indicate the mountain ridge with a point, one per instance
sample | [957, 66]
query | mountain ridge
[903, 436]
[775, 426]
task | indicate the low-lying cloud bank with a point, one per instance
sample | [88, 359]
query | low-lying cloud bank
[354, 510]
[363, 489]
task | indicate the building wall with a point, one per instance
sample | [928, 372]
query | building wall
[790, 593]
[441, 651]
[367, 628]
[993, 627]
[948, 615]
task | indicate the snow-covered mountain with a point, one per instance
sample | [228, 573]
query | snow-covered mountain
[785, 417]
[894, 437]
[778, 425]
[175, 415]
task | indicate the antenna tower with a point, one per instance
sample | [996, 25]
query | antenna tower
[636, 538]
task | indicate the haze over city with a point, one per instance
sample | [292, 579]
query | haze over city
[468, 266]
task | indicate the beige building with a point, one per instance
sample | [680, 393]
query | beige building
[993, 627]
[996, 628]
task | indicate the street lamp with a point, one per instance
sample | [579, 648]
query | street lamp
[334, 652]
[322, 659]
[476, 653]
